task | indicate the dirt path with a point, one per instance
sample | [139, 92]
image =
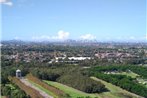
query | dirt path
[44, 94]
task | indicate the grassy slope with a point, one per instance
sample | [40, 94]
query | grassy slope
[142, 81]
[114, 91]
[69, 90]
[134, 75]
[131, 74]
[45, 90]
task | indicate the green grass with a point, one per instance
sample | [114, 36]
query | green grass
[131, 74]
[74, 93]
[142, 81]
[134, 75]
[145, 65]
[45, 90]
[114, 91]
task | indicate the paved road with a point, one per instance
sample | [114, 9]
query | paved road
[44, 94]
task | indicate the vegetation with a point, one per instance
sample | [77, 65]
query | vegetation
[74, 93]
[123, 81]
[52, 89]
[13, 91]
[10, 89]
[39, 59]
[140, 70]
[30, 91]
[70, 76]
[82, 83]
[115, 91]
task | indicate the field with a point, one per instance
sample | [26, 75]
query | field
[134, 75]
[130, 73]
[114, 91]
[69, 90]
[142, 81]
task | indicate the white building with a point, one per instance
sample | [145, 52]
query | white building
[79, 58]
[18, 73]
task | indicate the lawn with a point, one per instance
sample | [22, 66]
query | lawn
[131, 74]
[142, 81]
[134, 75]
[74, 93]
[115, 91]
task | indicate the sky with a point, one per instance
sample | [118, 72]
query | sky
[102, 20]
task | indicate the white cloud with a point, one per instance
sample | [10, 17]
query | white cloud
[6, 2]
[60, 36]
[88, 37]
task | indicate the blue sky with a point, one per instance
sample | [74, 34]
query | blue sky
[104, 20]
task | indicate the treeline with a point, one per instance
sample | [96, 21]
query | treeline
[71, 76]
[140, 70]
[122, 81]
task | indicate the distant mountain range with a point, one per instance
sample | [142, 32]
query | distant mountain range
[74, 42]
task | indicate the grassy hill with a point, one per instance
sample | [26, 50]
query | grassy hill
[115, 91]
[74, 93]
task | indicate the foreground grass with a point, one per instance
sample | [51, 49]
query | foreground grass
[115, 91]
[74, 93]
